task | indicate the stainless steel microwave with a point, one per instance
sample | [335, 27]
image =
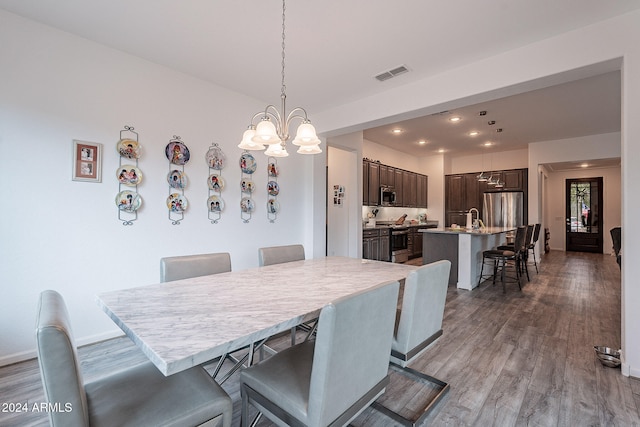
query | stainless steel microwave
[387, 196]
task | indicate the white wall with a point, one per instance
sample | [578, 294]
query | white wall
[342, 227]
[501, 160]
[65, 235]
[595, 49]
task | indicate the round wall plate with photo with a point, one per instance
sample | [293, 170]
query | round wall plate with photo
[273, 207]
[177, 153]
[128, 201]
[177, 202]
[247, 186]
[215, 204]
[273, 188]
[247, 163]
[128, 148]
[129, 175]
[215, 158]
[247, 205]
[215, 182]
[177, 179]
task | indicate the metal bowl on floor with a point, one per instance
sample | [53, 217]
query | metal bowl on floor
[608, 356]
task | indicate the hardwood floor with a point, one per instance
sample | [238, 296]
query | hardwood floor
[520, 358]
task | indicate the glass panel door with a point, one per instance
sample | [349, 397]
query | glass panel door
[584, 218]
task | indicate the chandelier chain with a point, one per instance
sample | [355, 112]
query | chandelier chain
[283, 55]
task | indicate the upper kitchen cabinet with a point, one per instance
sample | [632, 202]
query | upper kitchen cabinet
[387, 176]
[464, 191]
[371, 183]
[422, 191]
[399, 187]
[410, 187]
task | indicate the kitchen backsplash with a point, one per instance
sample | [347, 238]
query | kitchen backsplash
[392, 214]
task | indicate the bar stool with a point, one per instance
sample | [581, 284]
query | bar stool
[502, 258]
[525, 252]
[532, 246]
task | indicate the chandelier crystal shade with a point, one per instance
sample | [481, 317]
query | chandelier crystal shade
[272, 128]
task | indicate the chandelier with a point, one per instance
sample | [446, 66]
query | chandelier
[272, 129]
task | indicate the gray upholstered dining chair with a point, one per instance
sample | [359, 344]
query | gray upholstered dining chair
[187, 266]
[329, 380]
[279, 254]
[419, 324]
[134, 396]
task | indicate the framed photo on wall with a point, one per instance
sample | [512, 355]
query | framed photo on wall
[87, 160]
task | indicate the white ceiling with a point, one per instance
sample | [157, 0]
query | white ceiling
[334, 48]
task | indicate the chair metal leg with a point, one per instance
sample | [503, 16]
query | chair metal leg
[415, 376]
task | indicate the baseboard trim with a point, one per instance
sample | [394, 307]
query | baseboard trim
[10, 359]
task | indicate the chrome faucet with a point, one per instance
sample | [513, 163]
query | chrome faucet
[471, 223]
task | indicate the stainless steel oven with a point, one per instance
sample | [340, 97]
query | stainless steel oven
[399, 244]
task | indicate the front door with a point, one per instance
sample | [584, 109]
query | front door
[584, 215]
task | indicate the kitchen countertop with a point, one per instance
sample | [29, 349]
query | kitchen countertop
[380, 225]
[482, 231]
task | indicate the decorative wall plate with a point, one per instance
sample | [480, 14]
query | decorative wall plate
[273, 207]
[177, 202]
[129, 175]
[128, 201]
[177, 153]
[128, 148]
[246, 185]
[216, 183]
[177, 179]
[215, 204]
[215, 158]
[247, 205]
[272, 168]
[247, 163]
[273, 188]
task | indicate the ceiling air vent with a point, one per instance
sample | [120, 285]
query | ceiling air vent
[392, 73]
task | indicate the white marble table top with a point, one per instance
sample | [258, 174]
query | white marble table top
[188, 322]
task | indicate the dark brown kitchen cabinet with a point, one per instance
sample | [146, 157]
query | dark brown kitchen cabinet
[422, 191]
[455, 193]
[414, 242]
[365, 183]
[409, 187]
[384, 248]
[514, 179]
[399, 187]
[376, 244]
[464, 191]
[371, 183]
[387, 176]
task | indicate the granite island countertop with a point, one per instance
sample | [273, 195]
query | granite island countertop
[481, 232]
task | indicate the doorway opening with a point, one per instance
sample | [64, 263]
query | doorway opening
[584, 215]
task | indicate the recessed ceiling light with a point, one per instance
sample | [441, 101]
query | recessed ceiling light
[474, 133]
[422, 142]
[396, 131]
[488, 144]
[442, 150]
[454, 119]
[584, 165]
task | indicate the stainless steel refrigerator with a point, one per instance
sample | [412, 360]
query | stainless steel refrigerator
[503, 209]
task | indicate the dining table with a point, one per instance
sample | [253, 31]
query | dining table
[193, 321]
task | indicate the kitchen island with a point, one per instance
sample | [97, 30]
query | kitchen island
[463, 248]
